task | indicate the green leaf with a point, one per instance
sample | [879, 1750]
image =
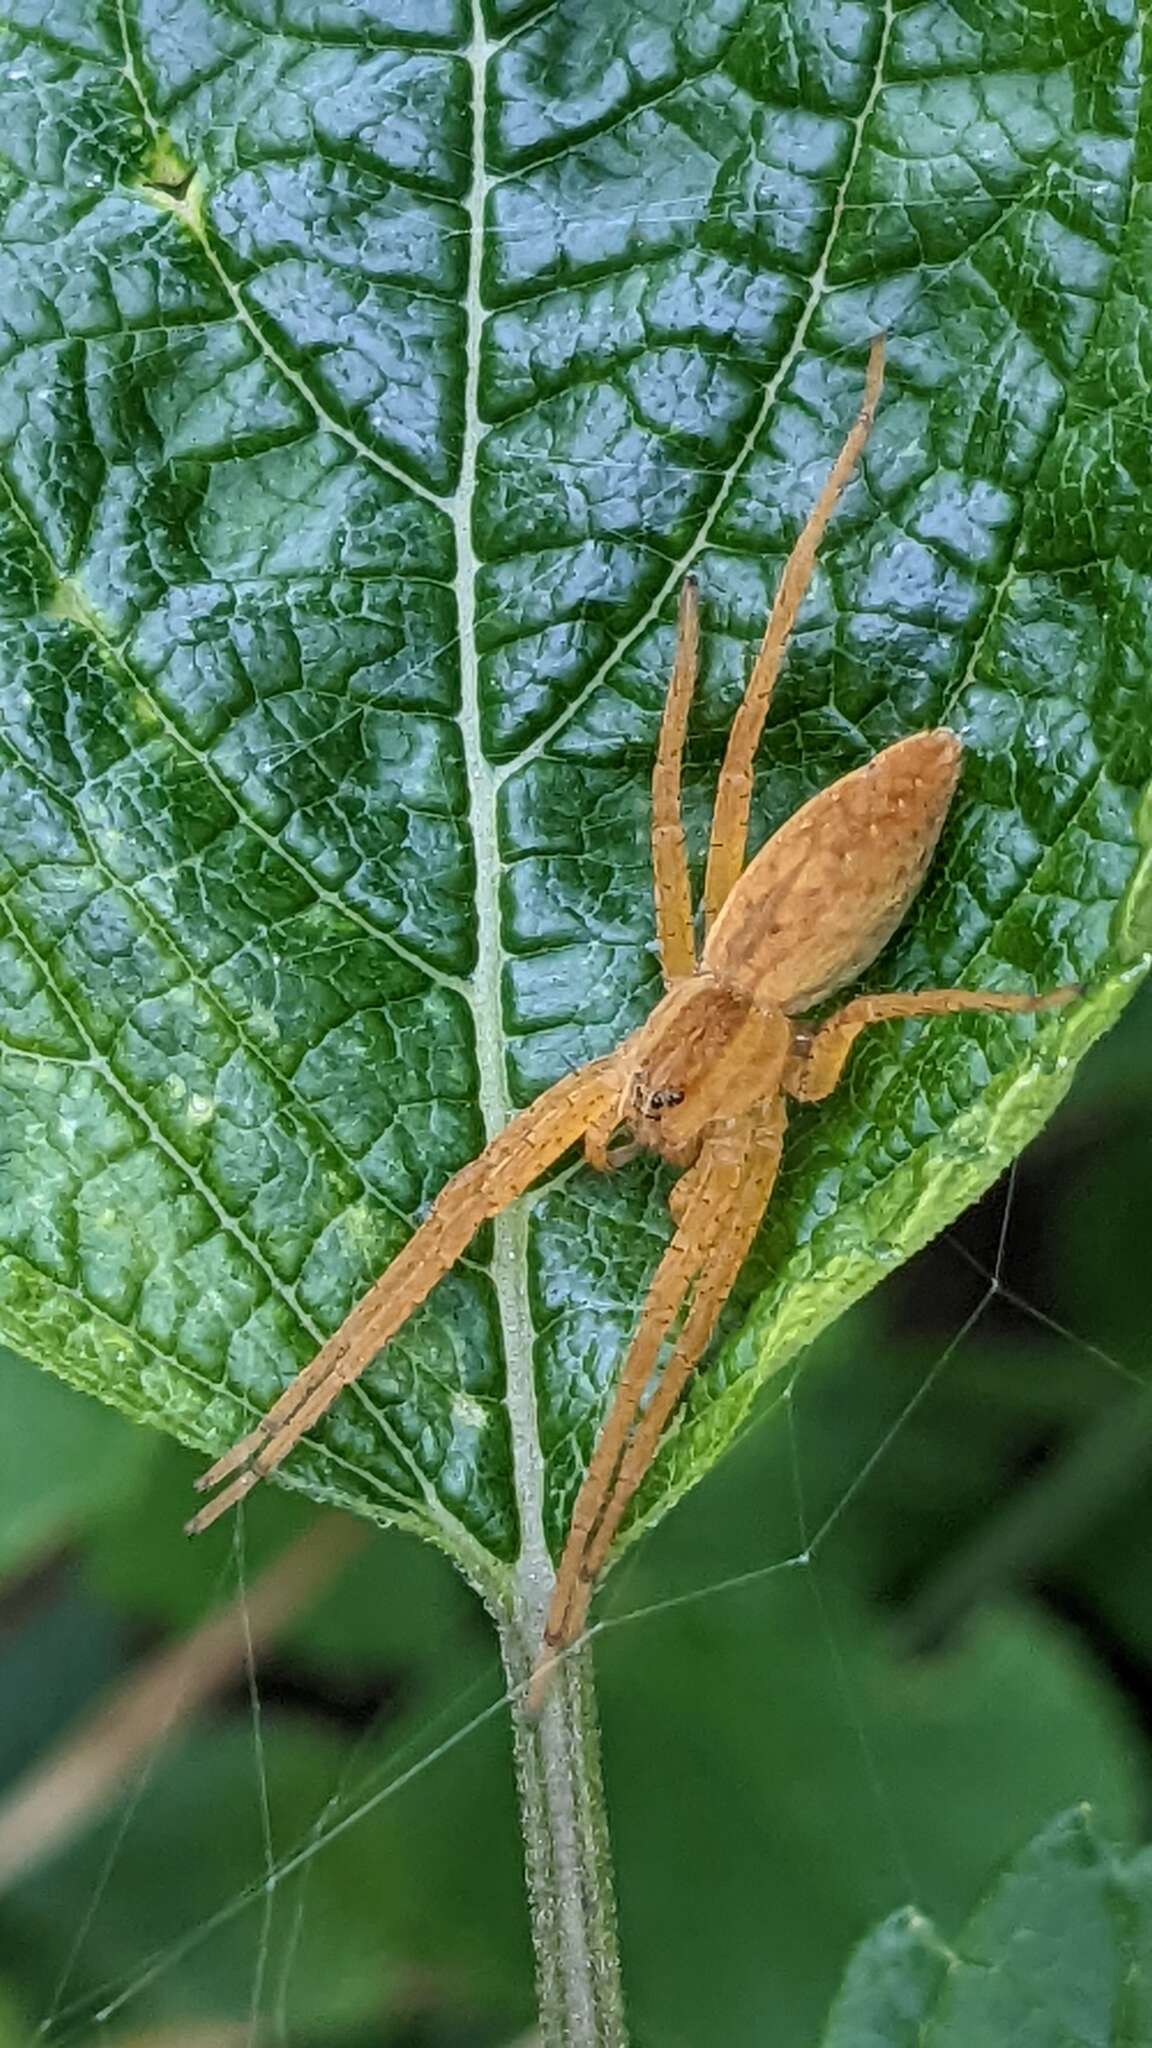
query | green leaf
[370, 375]
[1060, 1950]
[64, 1463]
[889, 1985]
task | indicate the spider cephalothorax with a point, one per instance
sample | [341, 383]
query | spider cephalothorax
[705, 1052]
[705, 1081]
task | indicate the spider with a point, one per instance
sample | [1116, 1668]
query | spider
[705, 1081]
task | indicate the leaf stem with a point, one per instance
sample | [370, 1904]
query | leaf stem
[567, 1856]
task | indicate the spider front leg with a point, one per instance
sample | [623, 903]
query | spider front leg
[815, 1071]
[669, 860]
[508, 1165]
[729, 837]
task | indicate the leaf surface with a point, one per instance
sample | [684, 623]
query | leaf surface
[1058, 1951]
[370, 376]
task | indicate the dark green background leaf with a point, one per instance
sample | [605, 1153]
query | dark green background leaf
[821, 1778]
[370, 374]
[1060, 1950]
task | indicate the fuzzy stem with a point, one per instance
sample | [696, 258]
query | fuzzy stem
[567, 1856]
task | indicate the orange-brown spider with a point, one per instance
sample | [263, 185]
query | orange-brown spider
[705, 1080]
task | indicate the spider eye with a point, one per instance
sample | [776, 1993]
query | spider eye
[664, 1098]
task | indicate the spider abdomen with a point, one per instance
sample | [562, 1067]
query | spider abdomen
[827, 891]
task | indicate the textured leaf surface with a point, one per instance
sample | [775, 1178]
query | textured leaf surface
[1060, 1950]
[370, 374]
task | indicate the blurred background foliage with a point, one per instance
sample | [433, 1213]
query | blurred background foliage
[905, 1624]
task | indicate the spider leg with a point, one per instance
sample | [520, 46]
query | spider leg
[729, 836]
[734, 1177]
[701, 1216]
[600, 1130]
[669, 861]
[750, 1193]
[513, 1160]
[816, 1071]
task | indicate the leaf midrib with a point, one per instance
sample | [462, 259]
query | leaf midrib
[510, 1230]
